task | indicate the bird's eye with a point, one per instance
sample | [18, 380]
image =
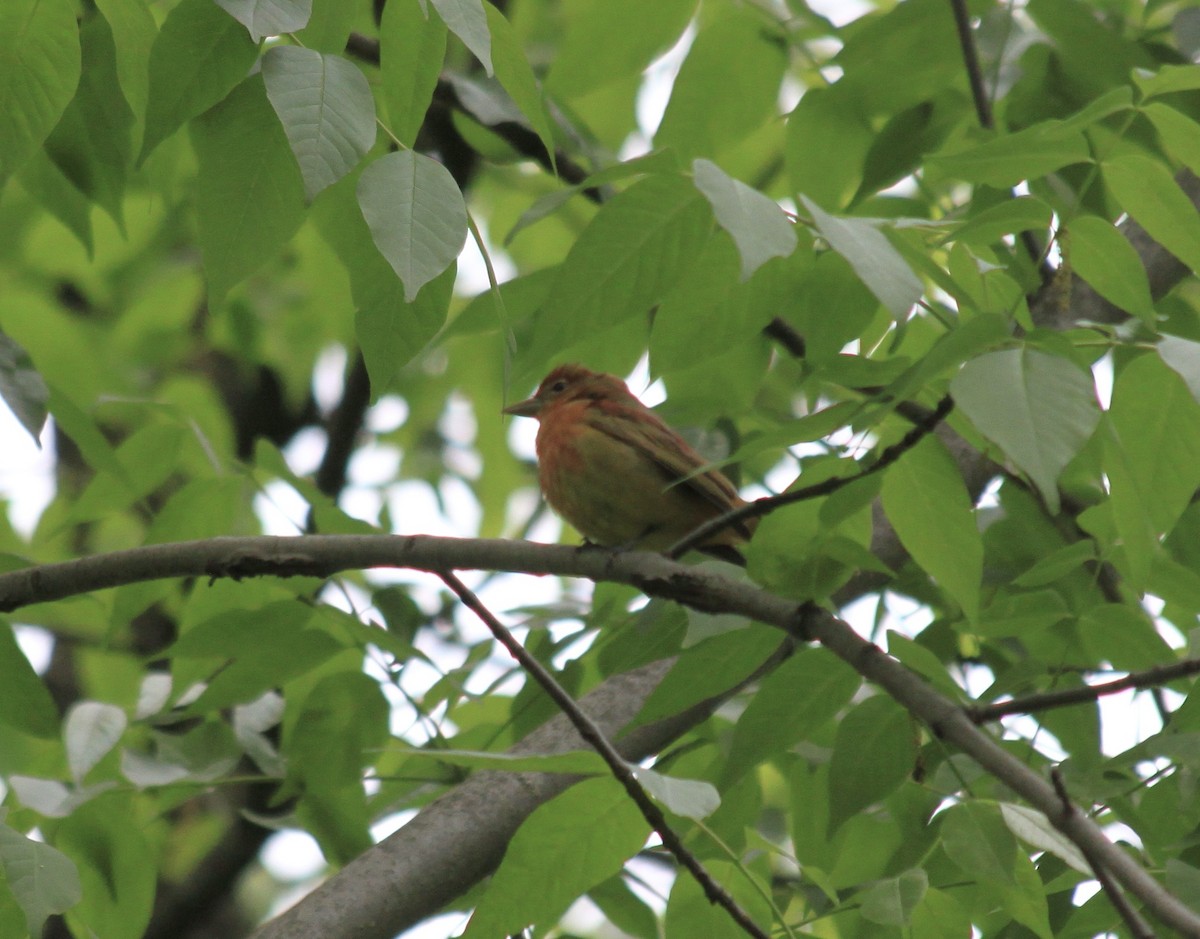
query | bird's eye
[559, 386]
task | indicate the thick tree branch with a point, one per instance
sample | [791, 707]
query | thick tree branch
[324, 555]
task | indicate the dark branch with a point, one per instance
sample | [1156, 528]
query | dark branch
[764, 506]
[1046, 700]
[1139, 928]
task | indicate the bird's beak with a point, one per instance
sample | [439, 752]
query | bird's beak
[527, 408]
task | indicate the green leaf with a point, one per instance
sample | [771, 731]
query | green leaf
[392, 331]
[200, 55]
[708, 312]
[875, 261]
[1152, 456]
[571, 843]
[891, 902]
[134, 32]
[1024, 213]
[690, 913]
[1166, 80]
[976, 838]
[264, 18]
[873, 753]
[1178, 132]
[1012, 158]
[1147, 191]
[92, 143]
[1183, 357]
[412, 47]
[42, 879]
[600, 47]
[517, 78]
[691, 798]
[1005, 393]
[39, 69]
[1033, 827]
[26, 703]
[327, 112]
[416, 214]
[466, 19]
[792, 703]
[45, 181]
[90, 731]
[826, 145]
[259, 649]
[1183, 880]
[757, 224]
[116, 872]
[708, 668]
[1103, 257]
[22, 387]
[633, 251]
[927, 502]
[249, 195]
[726, 88]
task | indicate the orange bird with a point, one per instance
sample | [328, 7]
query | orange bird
[614, 470]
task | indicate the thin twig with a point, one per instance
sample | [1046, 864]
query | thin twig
[620, 769]
[966, 42]
[761, 507]
[1138, 926]
[1046, 700]
[983, 111]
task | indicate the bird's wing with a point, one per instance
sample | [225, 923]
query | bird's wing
[644, 432]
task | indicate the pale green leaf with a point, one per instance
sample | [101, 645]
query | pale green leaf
[879, 265]
[43, 880]
[416, 214]
[91, 730]
[1034, 828]
[757, 225]
[691, 798]
[327, 112]
[467, 20]
[1183, 357]
[268, 17]
[1004, 394]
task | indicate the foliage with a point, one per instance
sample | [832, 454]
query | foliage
[202, 201]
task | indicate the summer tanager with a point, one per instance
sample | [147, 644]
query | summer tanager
[614, 470]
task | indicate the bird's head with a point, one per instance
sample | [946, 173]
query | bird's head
[571, 383]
